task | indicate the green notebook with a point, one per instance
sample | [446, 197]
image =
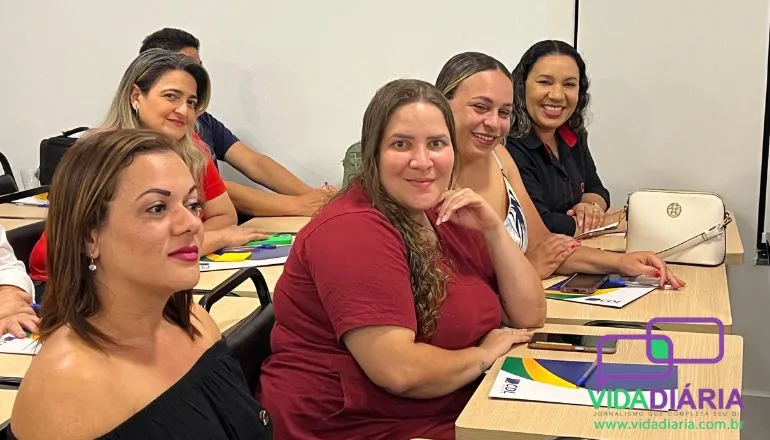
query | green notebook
[277, 240]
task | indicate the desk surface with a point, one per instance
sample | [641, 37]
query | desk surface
[210, 280]
[278, 224]
[24, 211]
[704, 295]
[734, 245]
[13, 223]
[226, 312]
[490, 419]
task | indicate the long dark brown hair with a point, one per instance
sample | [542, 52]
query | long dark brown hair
[83, 185]
[425, 259]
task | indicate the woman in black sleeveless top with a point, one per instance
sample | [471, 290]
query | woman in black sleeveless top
[126, 353]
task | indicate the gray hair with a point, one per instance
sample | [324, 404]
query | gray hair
[144, 72]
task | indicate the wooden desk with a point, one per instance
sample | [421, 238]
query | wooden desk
[705, 295]
[491, 419]
[278, 224]
[734, 245]
[13, 223]
[210, 280]
[32, 212]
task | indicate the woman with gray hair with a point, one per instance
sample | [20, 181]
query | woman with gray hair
[164, 92]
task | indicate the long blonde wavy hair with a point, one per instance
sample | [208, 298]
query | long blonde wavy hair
[427, 265]
[144, 72]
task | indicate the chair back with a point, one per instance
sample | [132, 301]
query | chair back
[250, 342]
[249, 339]
[23, 240]
[351, 164]
[7, 181]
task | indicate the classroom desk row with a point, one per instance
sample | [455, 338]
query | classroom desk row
[484, 418]
[615, 242]
[706, 293]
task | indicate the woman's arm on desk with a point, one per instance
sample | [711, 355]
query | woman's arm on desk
[392, 359]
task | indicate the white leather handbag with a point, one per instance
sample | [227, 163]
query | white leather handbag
[683, 227]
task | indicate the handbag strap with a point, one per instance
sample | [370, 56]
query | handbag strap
[712, 232]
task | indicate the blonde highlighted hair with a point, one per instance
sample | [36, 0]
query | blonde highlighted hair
[144, 72]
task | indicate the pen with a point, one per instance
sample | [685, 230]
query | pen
[580, 382]
[635, 284]
[10, 381]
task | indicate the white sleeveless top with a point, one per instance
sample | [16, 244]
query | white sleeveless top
[514, 221]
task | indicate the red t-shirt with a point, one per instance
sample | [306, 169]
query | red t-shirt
[213, 187]
[348, 269]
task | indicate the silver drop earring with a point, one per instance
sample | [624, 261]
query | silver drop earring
[92, 266]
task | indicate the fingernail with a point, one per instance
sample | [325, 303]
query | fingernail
[657, 273]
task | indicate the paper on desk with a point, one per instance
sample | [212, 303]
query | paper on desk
[257, 258]
[40, 200]
[616, 297]
[546, 380]
[12, 345]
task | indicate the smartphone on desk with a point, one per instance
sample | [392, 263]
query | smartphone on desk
[584, 283]
[570, 342]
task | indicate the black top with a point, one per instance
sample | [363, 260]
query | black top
[211, 401]
[555, 185]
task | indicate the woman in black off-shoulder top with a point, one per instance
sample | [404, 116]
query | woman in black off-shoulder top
[126, 354]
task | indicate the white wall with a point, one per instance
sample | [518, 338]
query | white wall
[678, 92]
[292, 79]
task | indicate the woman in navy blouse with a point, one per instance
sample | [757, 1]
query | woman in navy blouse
[548, 139]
